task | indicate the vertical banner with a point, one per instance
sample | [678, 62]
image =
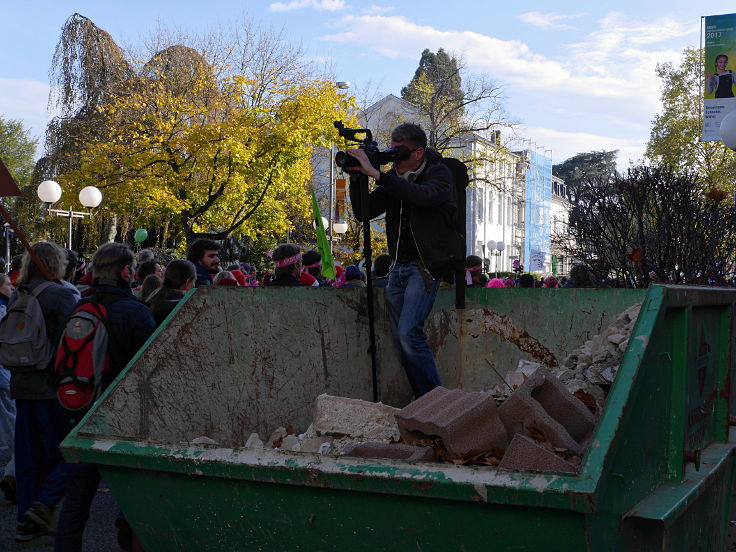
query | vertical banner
[719, 63]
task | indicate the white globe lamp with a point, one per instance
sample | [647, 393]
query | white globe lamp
[49, 191]
[500, 246]
[340, 227]
[491, 245]
[90, 197]
[728, 130]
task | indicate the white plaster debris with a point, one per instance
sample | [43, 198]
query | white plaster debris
[280, 433]
[203, 440]
[343, 416]
[254, 441]
[291, 443]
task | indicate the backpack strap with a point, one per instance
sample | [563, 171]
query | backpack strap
[42, 286]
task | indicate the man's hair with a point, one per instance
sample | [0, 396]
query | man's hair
[71, 265]
[282, 252]
[381, 266]
[198, 247]
[178, 273]
[472, 261]
[51, 256]
[110, 259]
[145, 255]
[410, 132]
[16, 262]
[526, 281]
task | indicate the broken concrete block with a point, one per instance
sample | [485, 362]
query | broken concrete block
[203, 440]
[525, 454]
[276, 437]
[254, 441]
[315, 444]
[514, 379]
[528, 367]
[544, 405]
[291, 443]
[355, 418]
[465, 421]
[393, 451]
[616, 338]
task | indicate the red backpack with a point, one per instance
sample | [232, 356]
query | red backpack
[82, 358]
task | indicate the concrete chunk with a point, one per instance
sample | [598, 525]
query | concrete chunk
[544, 405]
[355, 418]
[254, 441]
[525, 454]
[465, 421]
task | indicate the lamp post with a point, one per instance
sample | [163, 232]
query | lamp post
[340, 85]
[728, 130]
[49, 192]
[496, 249]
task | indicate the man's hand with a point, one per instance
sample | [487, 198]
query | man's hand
[365, 166]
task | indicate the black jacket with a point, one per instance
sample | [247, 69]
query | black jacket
[433, 219]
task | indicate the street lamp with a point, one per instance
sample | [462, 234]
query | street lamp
[49, 192]
[728, 130]
[496, 250]
[340, 227]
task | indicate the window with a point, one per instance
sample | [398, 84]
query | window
[490, 208]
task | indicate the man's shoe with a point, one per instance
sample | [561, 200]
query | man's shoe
[7, 486]
[41, 516]
[28, 531]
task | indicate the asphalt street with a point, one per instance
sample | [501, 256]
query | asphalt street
[100, 535]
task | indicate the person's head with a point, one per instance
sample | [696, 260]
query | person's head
[352, 272]
[144, 255]
[17, 262]
[495, 283]
[225, 278]
[508, 282]
[113, 261]
[71, 265]
[581, 276]
[413, 137]
[180, 275]
[148, 268]
[51, 256]
[382, 266]
[287, 260]
[526, 281]
[312, 262]
[150, 286]
[205, 252]
[550, 282]
[6, 287]
[474, 265]
[721, 63]
[240, 277]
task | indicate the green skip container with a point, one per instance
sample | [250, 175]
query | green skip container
[657, 476]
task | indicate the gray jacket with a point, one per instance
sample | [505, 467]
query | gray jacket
[57, 303]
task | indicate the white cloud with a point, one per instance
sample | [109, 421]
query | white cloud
[25, 100]
[328, 5]
[548, 20]
[375, 9]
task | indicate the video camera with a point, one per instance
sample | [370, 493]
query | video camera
[367, 144]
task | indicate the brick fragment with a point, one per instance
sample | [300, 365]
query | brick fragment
[544, 405]
[394, 451]
[525, 454]
[466, 421]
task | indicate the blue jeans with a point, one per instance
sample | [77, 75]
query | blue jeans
[409, 304]
[40, 470]
[80, 492]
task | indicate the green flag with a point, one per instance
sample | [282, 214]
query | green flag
[554, 265]
[323, 246]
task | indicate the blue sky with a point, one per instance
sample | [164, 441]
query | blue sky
[578, 76]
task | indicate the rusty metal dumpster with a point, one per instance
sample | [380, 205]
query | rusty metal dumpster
[657, 476]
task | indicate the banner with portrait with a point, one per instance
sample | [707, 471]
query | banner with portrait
[719, 82]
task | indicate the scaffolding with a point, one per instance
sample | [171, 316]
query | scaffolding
[537, 208]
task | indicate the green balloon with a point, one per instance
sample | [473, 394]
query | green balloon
[140, 235]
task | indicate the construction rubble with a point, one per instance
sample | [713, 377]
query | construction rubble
[538, 419]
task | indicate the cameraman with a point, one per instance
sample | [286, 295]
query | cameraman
[418, 197]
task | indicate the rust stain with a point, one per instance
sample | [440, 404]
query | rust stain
[501, 325]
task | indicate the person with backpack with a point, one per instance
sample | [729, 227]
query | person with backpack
[37, 312]
[129, 323]
[419, 198]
